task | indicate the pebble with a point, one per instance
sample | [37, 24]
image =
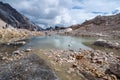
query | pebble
[70, 70]
[74, 66]
[28, 50]
[16, 52]
[79, 57]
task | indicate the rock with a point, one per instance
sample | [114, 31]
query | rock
[14, 44]
[4, 58]
[99, 61]
[110, 77]
[74, 66]
[108, 44]
[79, 57]
[28, 50]
[71, 50]
[98, 73]
[18, 43]
[29, 67]
[16, 52]
[70, 70]
[115, 69]
[101, 42]
[113, 77]
[12, 17]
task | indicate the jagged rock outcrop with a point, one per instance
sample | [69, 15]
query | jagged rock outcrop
[15, 19]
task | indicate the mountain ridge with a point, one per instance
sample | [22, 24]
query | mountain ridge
[12, 17]
[107, 25]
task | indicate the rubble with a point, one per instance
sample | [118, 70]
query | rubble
[89, 63]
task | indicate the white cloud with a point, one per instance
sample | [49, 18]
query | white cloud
[54, 12]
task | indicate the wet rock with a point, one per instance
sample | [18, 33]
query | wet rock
[18, 43]
[14, 44]
[101, 42]
[16, 52]
[108, 44]
[70, 70]
[28, 50]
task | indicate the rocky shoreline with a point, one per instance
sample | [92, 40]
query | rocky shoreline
[24, 65]
[12, 34]
[89, 64]
[18, 64]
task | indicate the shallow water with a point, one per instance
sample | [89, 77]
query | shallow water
[57, 42]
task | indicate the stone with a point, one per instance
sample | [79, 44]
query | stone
[108, 44]
[28, 50]
[30, 67]
[70, 70]
[74, 66]
[16, 52]
[79, 57]
[99, 61]
[113, 77]
[115, 69]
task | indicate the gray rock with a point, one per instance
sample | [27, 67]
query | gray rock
[28, 50]
[115, 69]
[108, 44]
[16, 52]
[30, 67]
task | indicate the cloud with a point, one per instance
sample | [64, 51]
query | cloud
[63, 12]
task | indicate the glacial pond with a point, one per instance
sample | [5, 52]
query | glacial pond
[57, 42]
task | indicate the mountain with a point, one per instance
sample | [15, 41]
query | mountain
[107, 25]
[12, 17]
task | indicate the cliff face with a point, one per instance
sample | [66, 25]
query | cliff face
[15, 19]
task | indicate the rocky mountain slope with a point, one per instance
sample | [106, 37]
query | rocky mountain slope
[100, 25]
[15, 19]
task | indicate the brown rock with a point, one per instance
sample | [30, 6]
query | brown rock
[74, 65]
[79, 57]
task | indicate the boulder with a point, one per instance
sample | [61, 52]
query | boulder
[108, 44]
[115, 69]
[13, 44]
[68, 30]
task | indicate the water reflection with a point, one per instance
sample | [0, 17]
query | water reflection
[56, 42]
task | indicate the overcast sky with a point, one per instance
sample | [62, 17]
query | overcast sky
[63, 12]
